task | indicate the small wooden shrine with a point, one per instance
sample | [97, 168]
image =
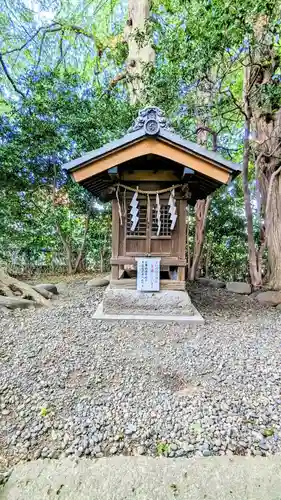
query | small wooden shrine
[150, 175]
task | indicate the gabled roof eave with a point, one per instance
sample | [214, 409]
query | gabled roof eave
[108, 148]
[193, 148]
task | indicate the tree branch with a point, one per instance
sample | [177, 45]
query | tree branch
[18, 49]
[117, 79]
[6, 71]
[77, 29]
[53, 28]
[40, 50]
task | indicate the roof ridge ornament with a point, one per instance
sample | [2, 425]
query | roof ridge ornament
[152, 120]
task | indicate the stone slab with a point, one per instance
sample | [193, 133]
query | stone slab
[146, 478]
[194, 319]
[169, 302]
[239, 287]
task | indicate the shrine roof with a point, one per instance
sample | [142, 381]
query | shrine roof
[152, 137]
[151, 123]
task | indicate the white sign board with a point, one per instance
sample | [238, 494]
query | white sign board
[148, 274]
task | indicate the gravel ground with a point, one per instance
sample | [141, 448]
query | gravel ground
[73, 386]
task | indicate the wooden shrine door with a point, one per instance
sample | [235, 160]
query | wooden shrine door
[147, 239]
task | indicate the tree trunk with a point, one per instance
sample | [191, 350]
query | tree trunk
[141, 54]
[200, 264]
[67, 250]
[201, 213]
[267, 145]
[102, 260]
[273, 236]
[201, 210]
[255, 270]
[208, 257]
[82, 248]
[269, 152]
[69, 261]
[188, 239]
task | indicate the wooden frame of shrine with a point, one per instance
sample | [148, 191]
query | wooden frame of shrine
[150, 175]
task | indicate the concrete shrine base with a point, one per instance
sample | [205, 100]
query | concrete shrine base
[164, 306]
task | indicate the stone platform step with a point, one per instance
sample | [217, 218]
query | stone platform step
[164, 306]
[195, 319]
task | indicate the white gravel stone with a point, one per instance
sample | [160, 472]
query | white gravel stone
[71, 385]
[206, 453]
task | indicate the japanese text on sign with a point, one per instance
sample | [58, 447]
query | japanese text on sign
[148, 274]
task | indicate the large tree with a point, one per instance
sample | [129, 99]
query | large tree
[263, 105]
[233, 42]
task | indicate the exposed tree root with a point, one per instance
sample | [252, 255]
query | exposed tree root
[45, 293]
[18, 291]
[17, 302]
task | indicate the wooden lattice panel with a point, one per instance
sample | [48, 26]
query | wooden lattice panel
[141, 227]
[165, 221]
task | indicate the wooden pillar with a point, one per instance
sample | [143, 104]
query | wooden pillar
[182, 237]
[181, 273]
[114, 272]
[182, 229]
[115, 238]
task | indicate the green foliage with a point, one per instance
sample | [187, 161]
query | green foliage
[226, 238]
[270, 97]
[44, 412]
[162, 448]
[60, 118]
[268, 432]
